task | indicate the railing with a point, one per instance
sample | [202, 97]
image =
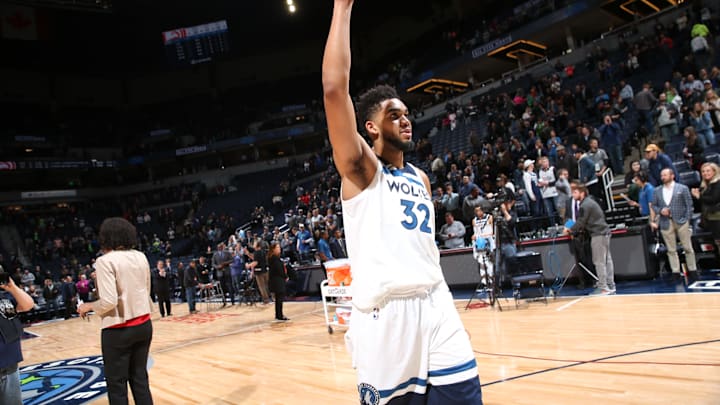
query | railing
[608, 179]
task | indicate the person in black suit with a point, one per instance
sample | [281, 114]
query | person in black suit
[50, 293]
[221, 263]
[277, 279]
[69, 294]
[190, 280]
[161, 283]
[337, 245]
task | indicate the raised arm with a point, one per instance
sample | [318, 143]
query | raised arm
[354, 159]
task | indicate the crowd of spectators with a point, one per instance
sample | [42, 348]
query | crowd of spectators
[532, 141]
[582, 126]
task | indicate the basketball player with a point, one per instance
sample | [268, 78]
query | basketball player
[406, 338]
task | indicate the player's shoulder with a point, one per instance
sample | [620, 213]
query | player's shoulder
[412, 169]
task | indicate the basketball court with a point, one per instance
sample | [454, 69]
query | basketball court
[620, 349]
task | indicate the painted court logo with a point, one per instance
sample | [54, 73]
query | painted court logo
[72, 381]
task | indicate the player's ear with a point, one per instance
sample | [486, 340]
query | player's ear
[372, 130]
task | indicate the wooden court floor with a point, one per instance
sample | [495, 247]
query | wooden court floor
[622, 349]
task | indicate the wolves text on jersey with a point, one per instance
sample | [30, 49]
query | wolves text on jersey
[408, 189]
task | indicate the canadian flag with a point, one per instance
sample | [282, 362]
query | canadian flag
[18, 22]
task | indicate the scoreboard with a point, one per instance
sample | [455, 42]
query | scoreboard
[197, 44]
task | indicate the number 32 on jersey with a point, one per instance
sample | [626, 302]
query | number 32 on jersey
[416, 214]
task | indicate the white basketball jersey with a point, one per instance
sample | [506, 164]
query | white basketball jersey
[390, 234]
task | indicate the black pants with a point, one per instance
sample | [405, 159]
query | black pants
[227, 288]
[70, 308]
[125, 354]
[279, 298]
[163, 299]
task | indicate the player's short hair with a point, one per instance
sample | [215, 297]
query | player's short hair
[369, 102]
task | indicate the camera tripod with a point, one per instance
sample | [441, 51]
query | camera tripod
[578, 264]
[488, 284]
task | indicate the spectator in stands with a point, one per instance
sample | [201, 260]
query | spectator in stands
[645, 193]
[83, 288]
[546, 182]
[323, 250]
[337, 245]
[566, 161]
[13, 300]
[532, 190]
[259, 267]
[701, 51]
[709, 196]
[702, 123]
[562, 185]
[161, 285]
[612, 143]
[204, 276]
[191, 281]
[452, 233]
[237, 269]
[470, 202]
[671, 212]
[633, 189]
[124, 309]
[221, 260]
[712, 105]
[582, 139]
[69, 295]
[455, 177]
[450, 200]
[657, 161]
[287, 245]
[644, 102]
[28, 278]
[304, 244]
[587, 175]
[437, 167]
[694, 150]
[51, 293]
[666, 114]
[626, 92]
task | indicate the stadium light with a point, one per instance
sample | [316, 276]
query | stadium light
[289, 2]
[291, 8]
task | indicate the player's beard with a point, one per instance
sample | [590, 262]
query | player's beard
[403, 146]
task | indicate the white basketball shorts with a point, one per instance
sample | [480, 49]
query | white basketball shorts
[408, 344]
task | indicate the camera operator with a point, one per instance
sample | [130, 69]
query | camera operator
[506, 220]
[13, 300]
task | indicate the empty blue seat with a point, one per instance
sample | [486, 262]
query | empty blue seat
[690, 179]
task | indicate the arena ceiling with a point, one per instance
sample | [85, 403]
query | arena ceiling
[115, 35]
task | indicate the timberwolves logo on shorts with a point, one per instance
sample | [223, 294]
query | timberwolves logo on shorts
[72, 381]
[369, 395]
